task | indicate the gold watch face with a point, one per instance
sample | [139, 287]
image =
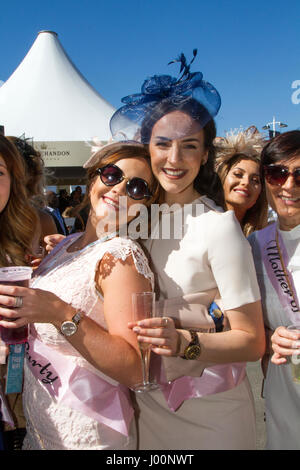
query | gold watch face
[193, 352]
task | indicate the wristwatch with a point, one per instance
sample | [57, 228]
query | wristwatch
[69, 327]
[193, 350]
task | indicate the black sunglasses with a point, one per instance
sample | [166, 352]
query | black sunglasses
[276, 175]
[136, 188]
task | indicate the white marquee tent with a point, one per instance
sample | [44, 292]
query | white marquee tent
[49, 100]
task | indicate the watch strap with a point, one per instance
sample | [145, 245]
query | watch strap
[194, 338]
[193, 342]
[76, 318]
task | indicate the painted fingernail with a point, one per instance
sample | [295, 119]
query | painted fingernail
[136, 329]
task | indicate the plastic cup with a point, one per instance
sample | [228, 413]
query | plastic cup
[15, 276]
[295, 359]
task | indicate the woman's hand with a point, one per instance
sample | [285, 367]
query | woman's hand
[52, 240]
[36, 306]
[160, 332]
[284, 343]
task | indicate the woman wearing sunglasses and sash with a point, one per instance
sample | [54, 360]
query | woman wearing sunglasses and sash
[196, 408]
[81, 356]
[276, 251]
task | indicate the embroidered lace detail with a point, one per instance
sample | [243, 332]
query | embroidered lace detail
[56, 427]
[74, 282]
[122, 248]
[81, 293]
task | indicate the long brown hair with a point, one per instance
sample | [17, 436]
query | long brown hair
[243, 145]
[18, 219]
[34, 166]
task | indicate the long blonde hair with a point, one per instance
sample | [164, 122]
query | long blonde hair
[230, 150]
[18, 220]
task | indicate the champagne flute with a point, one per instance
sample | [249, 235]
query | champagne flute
[143, 304]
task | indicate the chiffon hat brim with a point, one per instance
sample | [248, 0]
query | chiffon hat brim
[126, 123]
[101, 151]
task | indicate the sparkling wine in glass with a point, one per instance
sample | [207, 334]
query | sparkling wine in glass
[143, 305]
[15, 276]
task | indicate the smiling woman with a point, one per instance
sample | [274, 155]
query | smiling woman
[17, 218]
[276, 252]
[238, 165]
[18, 224]
[204, 398]
[175, 161]
[180, 137]
[79, 332]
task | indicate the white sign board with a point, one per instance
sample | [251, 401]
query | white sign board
[66, 153]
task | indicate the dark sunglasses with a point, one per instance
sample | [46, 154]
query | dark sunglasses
[276, 175]
[136, 188]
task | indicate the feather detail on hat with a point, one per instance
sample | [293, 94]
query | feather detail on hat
[247, 142]
[95, 144]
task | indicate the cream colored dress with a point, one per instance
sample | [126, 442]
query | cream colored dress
[71, 276]
[213, 253]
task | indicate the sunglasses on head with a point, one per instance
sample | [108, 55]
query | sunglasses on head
[276, 175]
[136, 188]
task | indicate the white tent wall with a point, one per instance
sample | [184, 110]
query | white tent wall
[49, 100]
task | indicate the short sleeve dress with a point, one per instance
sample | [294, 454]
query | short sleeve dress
[212, 253]
[71, 276]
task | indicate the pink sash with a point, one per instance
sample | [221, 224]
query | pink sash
[216, 379]
[101, 399]
[270, 255]
[189, 311]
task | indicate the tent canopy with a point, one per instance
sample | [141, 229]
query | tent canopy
[48, 99]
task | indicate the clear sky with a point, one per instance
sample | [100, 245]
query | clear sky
[250, 51]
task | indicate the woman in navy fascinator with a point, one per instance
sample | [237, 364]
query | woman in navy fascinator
[204, 398]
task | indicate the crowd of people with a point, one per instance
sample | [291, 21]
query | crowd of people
[227, 288]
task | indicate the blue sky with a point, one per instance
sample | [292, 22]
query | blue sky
[248, 50]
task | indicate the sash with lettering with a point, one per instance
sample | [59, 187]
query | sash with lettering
[271, 258]
[97, 396]
[182, 380]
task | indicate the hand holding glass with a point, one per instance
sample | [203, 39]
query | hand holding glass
[15, 276]
[143, 306]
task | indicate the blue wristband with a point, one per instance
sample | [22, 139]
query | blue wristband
[14, 378]
[217, 315]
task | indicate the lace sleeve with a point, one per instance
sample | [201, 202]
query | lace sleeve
[122, 248]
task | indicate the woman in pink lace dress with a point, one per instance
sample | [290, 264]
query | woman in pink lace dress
[81, 356]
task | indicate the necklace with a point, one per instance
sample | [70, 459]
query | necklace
[99, 240]
[66, 244]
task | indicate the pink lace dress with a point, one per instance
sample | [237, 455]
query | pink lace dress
[50, 425]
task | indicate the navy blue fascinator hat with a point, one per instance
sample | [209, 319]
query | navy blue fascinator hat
[161, 94]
